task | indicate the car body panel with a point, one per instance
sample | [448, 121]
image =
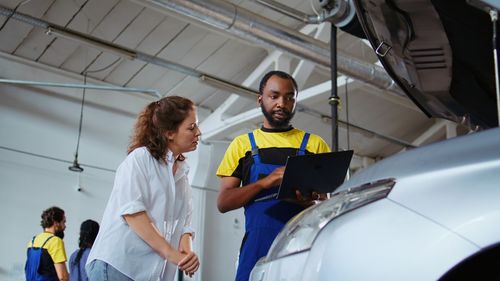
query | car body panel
[461, 151]
[287, 268]
[367, 244]
[466, 200]
[455, 183]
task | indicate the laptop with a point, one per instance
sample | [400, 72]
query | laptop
[322, 172]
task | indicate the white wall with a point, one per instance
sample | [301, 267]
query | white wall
[36, 125]
[222, 232]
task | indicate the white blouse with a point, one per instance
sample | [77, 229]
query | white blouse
[144, 184]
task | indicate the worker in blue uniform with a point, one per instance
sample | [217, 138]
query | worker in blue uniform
[252, 169]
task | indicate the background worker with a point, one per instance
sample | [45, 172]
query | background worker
[46, 255]
[78, 259]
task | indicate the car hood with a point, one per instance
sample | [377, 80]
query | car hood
[439, 52]
[453, 183]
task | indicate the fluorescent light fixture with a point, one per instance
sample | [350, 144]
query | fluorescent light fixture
[90, 41]
[230, 87]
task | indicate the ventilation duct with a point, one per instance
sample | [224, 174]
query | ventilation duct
[246, 25]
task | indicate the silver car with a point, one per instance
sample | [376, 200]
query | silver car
[432, 213]
[426, 214]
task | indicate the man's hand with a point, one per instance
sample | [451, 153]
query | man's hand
[232, 196]
[319, 196]
[274, 178]
[307, 201]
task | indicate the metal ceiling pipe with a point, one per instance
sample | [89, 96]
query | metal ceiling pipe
[296, 14]
[150, 92]
[251, 27]
[339, 14]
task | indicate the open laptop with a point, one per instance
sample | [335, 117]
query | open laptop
[322, 172]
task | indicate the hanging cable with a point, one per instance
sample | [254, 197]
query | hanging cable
[81, 113]
[76, 167]
[103, 68]
[314, 9]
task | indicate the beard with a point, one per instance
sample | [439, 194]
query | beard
[59, 233]
[278, 123]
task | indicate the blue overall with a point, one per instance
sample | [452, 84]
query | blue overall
[32, 266]
[265, 216]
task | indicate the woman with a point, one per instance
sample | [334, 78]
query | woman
[88, 233]
[146, 227]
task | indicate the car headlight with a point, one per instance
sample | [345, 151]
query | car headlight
[301, 231]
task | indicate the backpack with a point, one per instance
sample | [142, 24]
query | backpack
[32, 267]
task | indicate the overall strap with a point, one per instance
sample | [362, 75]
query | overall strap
[255, 148]
[303, 145]
[46, 241]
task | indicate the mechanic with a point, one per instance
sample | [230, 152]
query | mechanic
[252, 169]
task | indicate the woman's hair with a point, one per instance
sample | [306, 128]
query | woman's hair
[155, 120]
[51, 215]
[88, 233]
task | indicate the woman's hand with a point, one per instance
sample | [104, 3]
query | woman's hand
[189, 264]
[175, 257]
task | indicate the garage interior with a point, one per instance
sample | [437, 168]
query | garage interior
[120, 55]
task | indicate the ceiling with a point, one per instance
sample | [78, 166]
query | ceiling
[382, 122]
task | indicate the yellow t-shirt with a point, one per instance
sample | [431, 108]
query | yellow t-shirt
[274, 148]
[55, 246]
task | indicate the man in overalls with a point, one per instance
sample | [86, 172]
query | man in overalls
[252, 169]
[46, 255]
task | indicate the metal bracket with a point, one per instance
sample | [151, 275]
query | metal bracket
[382, 49]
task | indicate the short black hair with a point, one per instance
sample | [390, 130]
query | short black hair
[278, 73]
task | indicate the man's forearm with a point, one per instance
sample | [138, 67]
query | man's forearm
[234, 198]
[61, 271]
